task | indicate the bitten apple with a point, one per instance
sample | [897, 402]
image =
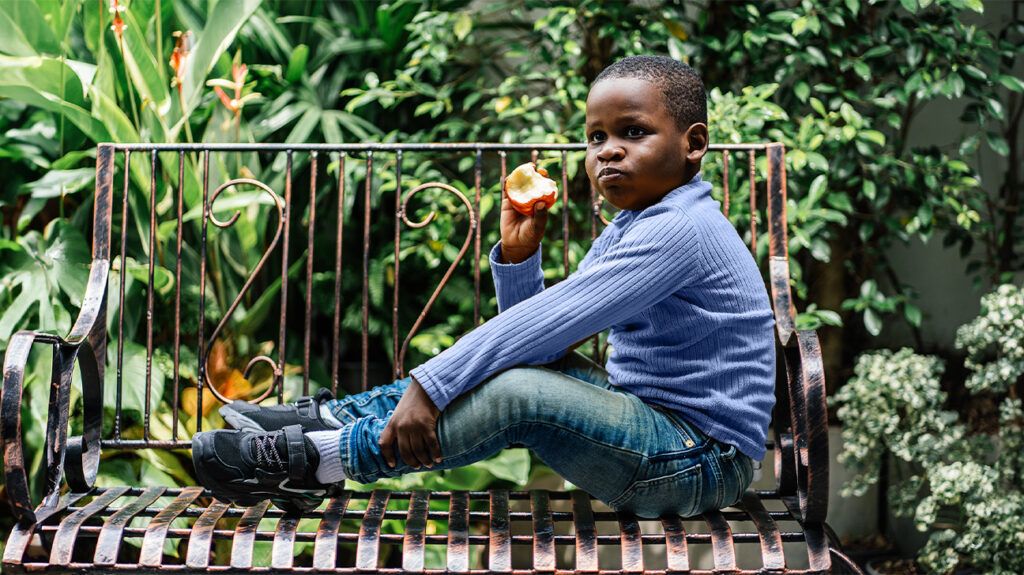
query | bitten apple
[527, 185]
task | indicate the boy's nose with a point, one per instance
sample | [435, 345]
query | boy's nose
[611, 151]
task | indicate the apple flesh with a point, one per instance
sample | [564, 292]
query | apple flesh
[527, 185]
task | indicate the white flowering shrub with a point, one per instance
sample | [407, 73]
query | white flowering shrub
[968, 488]
[995, 341]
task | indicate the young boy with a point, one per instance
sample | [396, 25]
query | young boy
[674, 423]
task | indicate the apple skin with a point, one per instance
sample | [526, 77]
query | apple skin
[530, 185]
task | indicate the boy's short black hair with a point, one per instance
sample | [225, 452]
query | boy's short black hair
[680, 85]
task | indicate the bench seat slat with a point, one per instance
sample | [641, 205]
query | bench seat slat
[415, 526]
[458, 532]
[543, 532]
[771, 540]
[632, 549]
[108, 544]
[64, 540]
[675, 544]
[721, 541]
[325, 550]
[500, 541]
[282, 555]
[152, 553]
[202, 535]
[586, 532]
[245, 535]
[368, 547]
[21, 535]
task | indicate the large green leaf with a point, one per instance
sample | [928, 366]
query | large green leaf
[25, 31]
[221, 27]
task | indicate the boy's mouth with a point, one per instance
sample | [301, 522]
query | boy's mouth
[610, 175]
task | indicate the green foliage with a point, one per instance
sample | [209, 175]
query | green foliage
[966, 487]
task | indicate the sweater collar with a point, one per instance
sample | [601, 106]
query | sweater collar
[693, 189]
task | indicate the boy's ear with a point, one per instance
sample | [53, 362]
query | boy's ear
[697, 140]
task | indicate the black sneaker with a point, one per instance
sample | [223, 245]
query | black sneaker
[304, 412]
[246, 467]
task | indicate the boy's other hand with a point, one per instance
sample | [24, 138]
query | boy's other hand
[413, 426]
[520, 235]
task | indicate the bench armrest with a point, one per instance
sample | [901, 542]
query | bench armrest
[78, 456]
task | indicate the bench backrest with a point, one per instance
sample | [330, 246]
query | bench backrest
[302, 213]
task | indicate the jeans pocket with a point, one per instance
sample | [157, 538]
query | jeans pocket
[677, 493]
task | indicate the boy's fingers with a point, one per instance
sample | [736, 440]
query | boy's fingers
[435, 447]
[422, 452]
[405, 450]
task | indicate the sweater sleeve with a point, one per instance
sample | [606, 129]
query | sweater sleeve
[658, 255]
[514, 283]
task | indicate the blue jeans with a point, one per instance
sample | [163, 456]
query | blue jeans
[629, 454]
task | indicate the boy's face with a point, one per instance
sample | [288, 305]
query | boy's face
[635, 152]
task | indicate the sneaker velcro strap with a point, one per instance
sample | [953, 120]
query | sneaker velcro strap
[296, 446]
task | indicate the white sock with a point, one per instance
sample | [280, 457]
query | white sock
[328, 444]
[328, 416]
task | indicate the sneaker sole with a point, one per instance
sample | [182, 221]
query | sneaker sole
[202, 449]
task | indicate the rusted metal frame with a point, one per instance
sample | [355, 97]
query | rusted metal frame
[818, 556]
[146, 411]
[722, 542]
[325, 550]
[772, 555]
[835, 549]
[122, 273]
[201, 331]
[778, 242]
[386, 147]
[586, 532]
[413, 550]
[368, 547]
[565, 214]
[336, 347]
[152, 552]
[543, 532]
[478, 167]
[281, 334]
[15, 475]
[64, 540]
[364, 382]
[311, 227]
[177, 297]
[812, 442]
[725, 182]
[108, 544]
[678, 556]
[437, 540]
[282, 555]
[245, 535]
[199, 540]
[499, 544]
[632, 543]
[402, 216]
[752, 175]
[458, 533]
[22, 533]
[248, 283]
[397, 368]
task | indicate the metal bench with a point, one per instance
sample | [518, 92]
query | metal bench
[78, 527]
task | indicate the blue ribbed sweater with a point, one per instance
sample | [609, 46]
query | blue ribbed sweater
[691, 326]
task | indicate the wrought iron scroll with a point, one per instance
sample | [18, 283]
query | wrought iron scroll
[279, 204]
[403, 214]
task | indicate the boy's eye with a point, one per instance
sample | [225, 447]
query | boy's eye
[635, 131]
[596, 137]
